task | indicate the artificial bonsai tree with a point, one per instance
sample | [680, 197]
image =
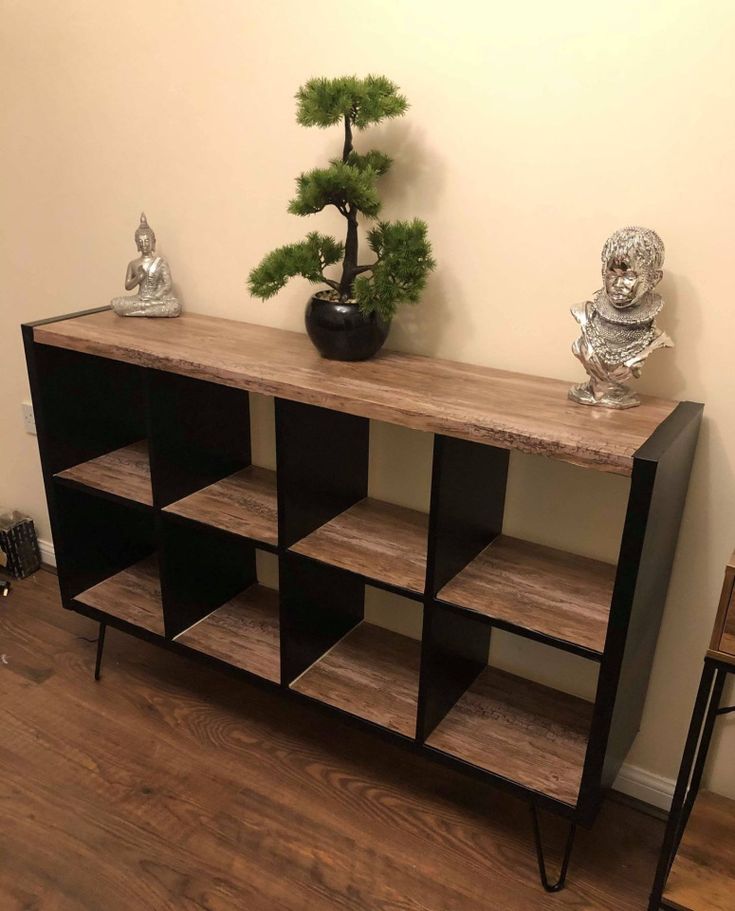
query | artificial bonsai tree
[402, 251]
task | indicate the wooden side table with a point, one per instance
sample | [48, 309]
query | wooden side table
[696, 870]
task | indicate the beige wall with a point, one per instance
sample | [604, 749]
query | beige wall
[535, 129]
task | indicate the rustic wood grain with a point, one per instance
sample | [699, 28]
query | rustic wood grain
[702, 877]
[521, 730]
[125, 472]
[373, 673]
[244, 632]
[133, 595]
[511, 410]
[722, 642]
[375, 539]
[243, 503]
[172, 787]
[538, 588]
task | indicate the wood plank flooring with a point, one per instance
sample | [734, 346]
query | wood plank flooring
[168, 786]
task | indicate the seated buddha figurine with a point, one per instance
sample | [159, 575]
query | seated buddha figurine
[618, 326]
[151, 274]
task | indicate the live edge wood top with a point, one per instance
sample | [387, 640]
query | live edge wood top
[510, 410]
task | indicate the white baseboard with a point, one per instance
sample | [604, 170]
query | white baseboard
[47, 552]
[655, 790]
[633, 781]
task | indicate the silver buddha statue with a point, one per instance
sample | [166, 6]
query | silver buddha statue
[151, 274]
[618, 326]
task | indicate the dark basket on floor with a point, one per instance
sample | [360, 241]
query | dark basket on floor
[20, 548]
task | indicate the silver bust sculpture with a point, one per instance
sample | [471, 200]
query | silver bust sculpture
[618, 326]
[151, 274]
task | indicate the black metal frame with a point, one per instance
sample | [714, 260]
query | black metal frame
[706, 711]
[322, 458]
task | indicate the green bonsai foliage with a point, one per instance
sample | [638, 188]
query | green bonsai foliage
[402, 250]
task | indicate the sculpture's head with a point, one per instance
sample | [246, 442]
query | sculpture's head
[145, 239]
[631, 265]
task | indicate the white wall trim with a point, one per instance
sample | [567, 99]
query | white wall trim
[655, 790]
[48, 555]
[634, 781]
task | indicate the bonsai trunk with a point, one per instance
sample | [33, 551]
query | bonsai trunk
[349, 264]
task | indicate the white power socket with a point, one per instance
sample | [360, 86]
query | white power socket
[29, 419]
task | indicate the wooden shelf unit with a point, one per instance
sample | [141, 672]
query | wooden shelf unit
[101, 383]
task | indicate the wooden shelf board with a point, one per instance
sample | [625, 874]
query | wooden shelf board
[133, 595]
[510, 410]
[538, 588]
[521, 730]
[124, 472]
[243, 632]
[702, 877]
[377, 540]
[372, 673]
[243, 503]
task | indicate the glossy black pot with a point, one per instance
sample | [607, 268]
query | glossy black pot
[341, 332]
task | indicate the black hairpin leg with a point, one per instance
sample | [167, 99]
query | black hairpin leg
[100, 649]
[561, 882]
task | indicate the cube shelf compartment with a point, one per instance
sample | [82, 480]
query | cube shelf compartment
[132, 595]
[243, 503]
[540, 589]
[372, 673]
[381, 541]
[102, 386]
[124, 472]
[244, 632]
[521, 730]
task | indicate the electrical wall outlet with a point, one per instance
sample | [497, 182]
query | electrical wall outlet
[29, 419]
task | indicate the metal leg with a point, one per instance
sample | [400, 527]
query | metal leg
[100, 649]
[561, 882]
[695, 754]
[701, 760]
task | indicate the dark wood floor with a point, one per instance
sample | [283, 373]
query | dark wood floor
[169, 786]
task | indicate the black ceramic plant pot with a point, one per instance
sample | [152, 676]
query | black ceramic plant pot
[341, 332]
